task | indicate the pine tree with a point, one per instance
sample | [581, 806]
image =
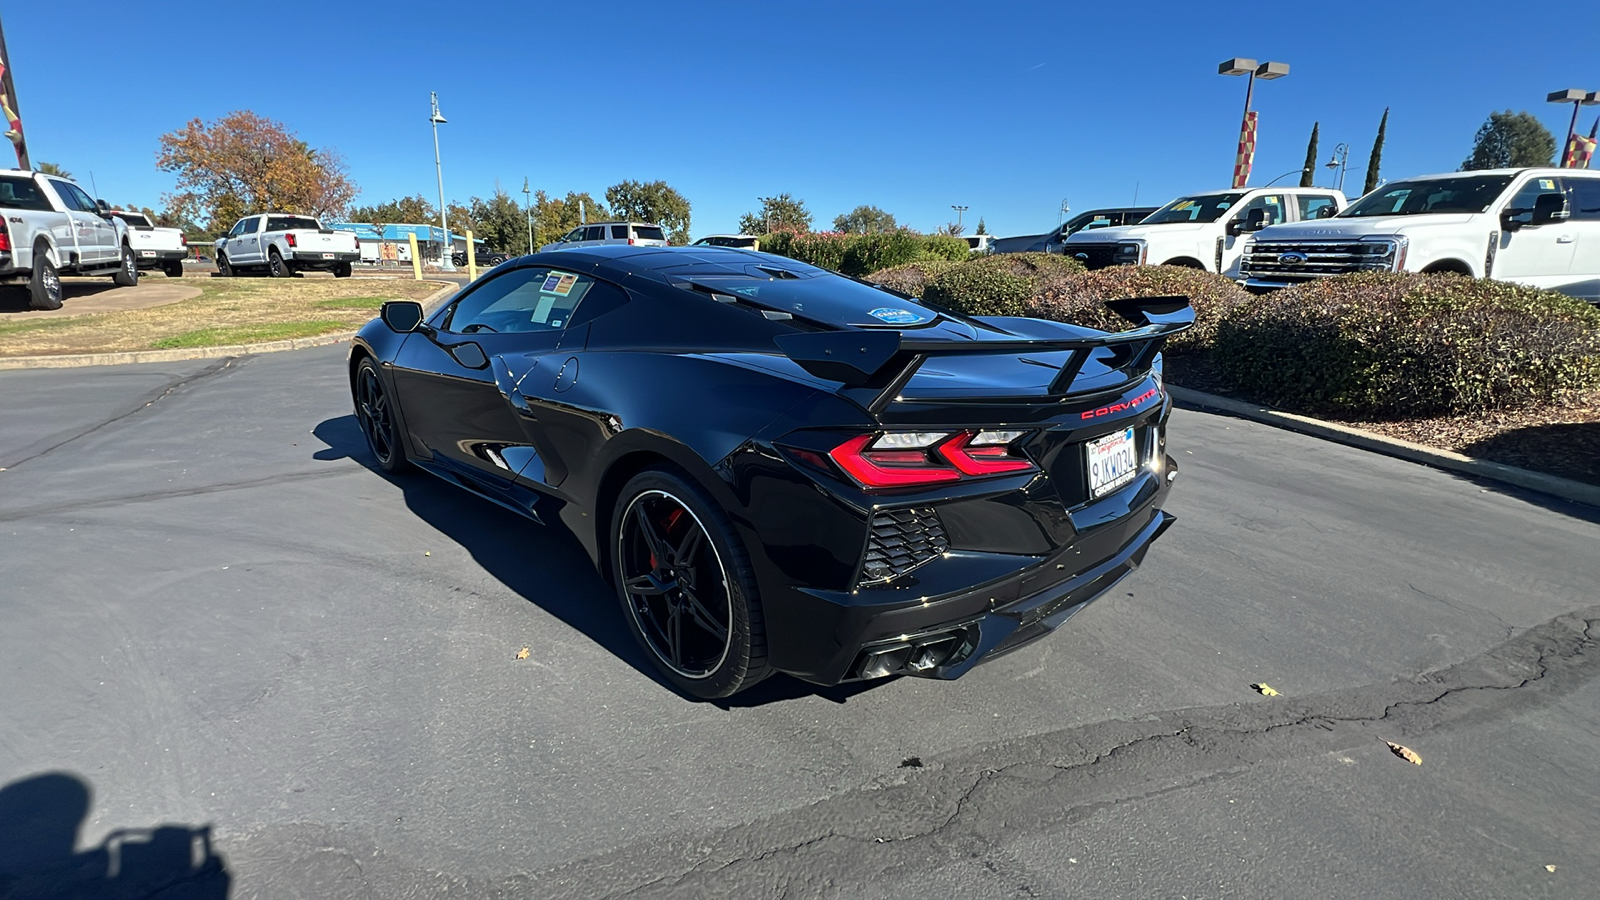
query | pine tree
[981, 228]
[1376, 161]
[1310, 171]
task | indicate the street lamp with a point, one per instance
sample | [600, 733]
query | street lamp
[959, 210]
[1577, 98]
[1061, 216]
[444, 225]
[1300, 171]
[1338, 160]
[1267, 71]
[527, 206]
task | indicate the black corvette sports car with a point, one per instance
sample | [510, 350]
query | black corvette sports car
[783, 469]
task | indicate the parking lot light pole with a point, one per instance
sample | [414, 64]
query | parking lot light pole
[1267, 71]
[959, 210]
[1577, 98]
[527, 206]
[1338, 160]
[445, 263]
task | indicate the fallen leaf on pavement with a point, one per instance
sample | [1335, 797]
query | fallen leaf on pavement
[427, 553]
[523, 653]
[1405, 753]
[1549, 868]
[1264, 689]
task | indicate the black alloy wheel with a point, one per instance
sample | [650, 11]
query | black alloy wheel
[376, 416]
[44, 286]
[687, 588]
[127, 273]
[276, 267]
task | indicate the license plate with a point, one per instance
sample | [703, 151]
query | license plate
[147, 253]
[1112, 462]
[327, 256]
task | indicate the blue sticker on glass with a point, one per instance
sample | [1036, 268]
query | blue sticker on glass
[895, 316]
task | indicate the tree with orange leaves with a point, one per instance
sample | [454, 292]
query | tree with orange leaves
[244, 163]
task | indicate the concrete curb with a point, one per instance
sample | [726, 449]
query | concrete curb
[148, 356]
[1563, 488]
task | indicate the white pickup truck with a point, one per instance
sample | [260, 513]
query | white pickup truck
[1539, 227]
[154, 247]
[284, 244]
[51, 228]
[1201, 231]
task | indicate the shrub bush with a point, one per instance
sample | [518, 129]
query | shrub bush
[913, 277]
[868, 253]
[1385, 344]
[944, 246]
[863, 254]
[1001, 284]
[1080, 298]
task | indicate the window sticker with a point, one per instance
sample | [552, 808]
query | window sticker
[1225, 204]
[1547, 184]
[1272, 201]
[1186, 204]
[559, 283]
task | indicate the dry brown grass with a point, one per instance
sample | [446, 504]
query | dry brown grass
[228, 311]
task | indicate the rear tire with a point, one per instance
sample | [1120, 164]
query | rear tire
[44, 287]
[173, 269]
[342, 270]
[276, 267]
[687, 589]
[128, 272]
[375, 414]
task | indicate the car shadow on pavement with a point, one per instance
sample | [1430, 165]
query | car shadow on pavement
[40, 818]
[15, 299]
[545, 566]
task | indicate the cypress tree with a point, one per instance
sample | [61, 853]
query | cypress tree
[1310, 170]
[1376, 161]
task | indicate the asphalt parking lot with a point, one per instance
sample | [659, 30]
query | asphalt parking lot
[217, 616]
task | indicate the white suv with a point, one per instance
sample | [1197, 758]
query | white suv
[639, 233]
[1539, 227]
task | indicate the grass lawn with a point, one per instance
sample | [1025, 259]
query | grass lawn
[228, 311]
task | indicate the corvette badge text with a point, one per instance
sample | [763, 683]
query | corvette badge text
[1118, 407]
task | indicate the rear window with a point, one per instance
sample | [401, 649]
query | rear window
[292, 223]
[134, 219]
[648, 233]
[22, 193]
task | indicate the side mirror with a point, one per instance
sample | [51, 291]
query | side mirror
[401, 315]
[1255, 219]
[103, 209]
[1548, 208]
[1326, 212]
[1234, 227]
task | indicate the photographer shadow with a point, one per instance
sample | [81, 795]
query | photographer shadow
[40, 819]
[545, 566]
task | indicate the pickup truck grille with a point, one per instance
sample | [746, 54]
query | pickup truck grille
[1293, 262]
[1093, 256]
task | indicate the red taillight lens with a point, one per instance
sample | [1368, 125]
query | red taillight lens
[888, 468]
[5, 237]
[289, 239]
[183, 239]
[977, 461]
[630, 242]
[914, 459]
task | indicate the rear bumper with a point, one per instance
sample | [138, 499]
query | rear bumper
[854, 639]
[151, 259]
[323, 258]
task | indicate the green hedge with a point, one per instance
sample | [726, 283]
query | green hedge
[1387, 344]
[913, 277]
[1002, 284]
[863, 254]
[1079, 298]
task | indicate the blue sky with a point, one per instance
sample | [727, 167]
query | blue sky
[1004, 108]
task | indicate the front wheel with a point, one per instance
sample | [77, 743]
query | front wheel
[127, 273]
[375, 413]
[44, 286]
[686, 586]
[276, 267]
[224, 270]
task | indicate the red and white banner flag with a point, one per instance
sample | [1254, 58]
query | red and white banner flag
[1247, 150]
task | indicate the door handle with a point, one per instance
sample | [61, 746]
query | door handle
[1564, 239]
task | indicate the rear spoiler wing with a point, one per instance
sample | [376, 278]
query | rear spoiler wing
[884, 361]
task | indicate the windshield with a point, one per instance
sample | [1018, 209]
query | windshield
[1467, 194]
[1203, 208]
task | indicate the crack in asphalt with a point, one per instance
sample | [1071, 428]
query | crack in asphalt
[1176, 751]
[28, 512]
[148, 400]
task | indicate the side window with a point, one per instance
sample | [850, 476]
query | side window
[575, 234]
[1583, 199]
[619, 231]
[72, 196]
[594, 233]
[1272, 204]
[1520, 207]
[524, 301]
[1316, 206]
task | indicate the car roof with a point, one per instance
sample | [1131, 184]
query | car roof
[662, 263]
[1540, 170]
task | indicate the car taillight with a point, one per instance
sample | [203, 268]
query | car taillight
[630, 242]
[5, 238]
[911, 459]
[183, 239]
[289, 239]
